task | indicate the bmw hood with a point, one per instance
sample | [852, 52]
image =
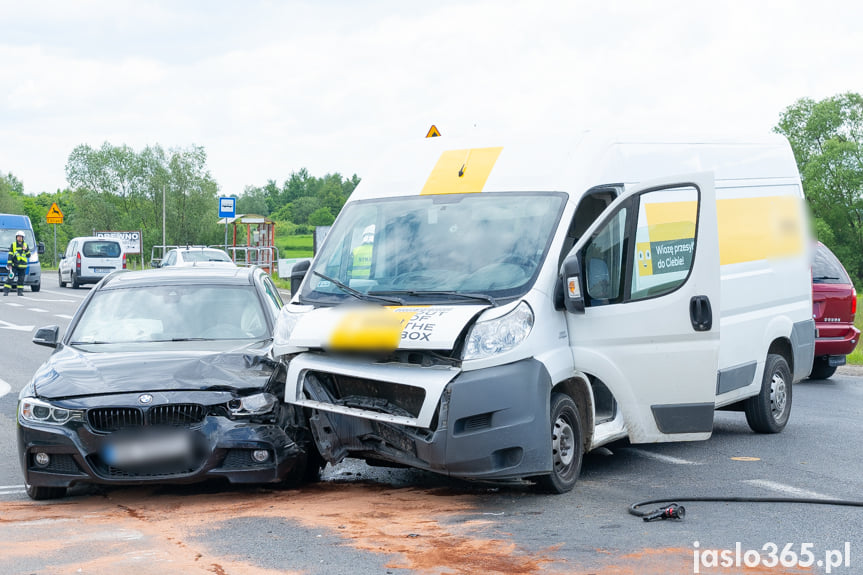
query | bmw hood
[74, 373]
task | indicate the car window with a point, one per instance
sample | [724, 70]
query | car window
[169, 313]
[100, 249]
[826, 267]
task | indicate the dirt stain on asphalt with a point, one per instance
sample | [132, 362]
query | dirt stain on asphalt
[418, 530]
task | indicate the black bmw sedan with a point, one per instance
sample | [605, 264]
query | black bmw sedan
[164, 377]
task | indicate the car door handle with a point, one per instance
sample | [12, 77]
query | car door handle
[700, 313]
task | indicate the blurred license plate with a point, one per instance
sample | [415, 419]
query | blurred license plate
[102, 270]
[149, 449]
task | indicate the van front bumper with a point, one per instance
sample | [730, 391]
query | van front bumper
[490, 424]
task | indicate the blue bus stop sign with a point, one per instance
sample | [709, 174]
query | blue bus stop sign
[227, 207]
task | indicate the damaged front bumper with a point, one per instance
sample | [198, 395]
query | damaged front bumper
[489, 424]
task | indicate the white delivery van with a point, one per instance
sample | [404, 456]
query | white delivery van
[492, 311]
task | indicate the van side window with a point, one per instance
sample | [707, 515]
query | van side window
[664, 241]
[604, 262]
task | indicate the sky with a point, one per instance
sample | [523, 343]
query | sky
[271, 87]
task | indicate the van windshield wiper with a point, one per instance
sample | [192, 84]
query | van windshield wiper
[413, 292]
[358, 294]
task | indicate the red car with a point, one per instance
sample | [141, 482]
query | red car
[834, 303]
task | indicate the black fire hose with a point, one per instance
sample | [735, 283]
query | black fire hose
[671, 510]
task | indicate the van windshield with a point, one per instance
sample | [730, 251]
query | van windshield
[434, 248]
[7, 237]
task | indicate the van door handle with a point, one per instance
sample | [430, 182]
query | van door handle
[700, 313]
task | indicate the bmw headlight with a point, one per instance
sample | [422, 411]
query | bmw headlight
[499, 335]
[258, 404]
[35, 410]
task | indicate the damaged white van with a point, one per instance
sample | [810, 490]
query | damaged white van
[492, 311]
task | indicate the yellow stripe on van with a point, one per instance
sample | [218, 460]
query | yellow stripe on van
[370, 329]
[461, 171]
[753, 229]
[750, 229]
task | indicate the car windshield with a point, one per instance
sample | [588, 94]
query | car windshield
[205, 256]
[171, 313]
[463, 248]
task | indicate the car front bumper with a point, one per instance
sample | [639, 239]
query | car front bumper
[224, 449]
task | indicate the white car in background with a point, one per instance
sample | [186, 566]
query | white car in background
[196, 257]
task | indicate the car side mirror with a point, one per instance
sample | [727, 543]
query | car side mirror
[155, 264]
[47, 336]
[571, 285]
[298, 273]
[40, 248]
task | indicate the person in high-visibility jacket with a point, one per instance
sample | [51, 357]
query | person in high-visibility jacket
[19, 255]
[361, 266]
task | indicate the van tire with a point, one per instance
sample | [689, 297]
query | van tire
[60, 279]
[36, 287]
[821, 369]
[567, 446]
[768, 411]
[75, 284]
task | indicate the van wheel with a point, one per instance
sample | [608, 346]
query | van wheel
[768, 411]
[60, 279]
[821, 369]
[75, 284]
[42, 492]
[566, 446]
[36, 287]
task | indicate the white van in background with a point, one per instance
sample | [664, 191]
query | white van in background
[88, 259]
[520, 304]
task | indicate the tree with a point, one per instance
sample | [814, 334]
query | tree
[827, 139]
[11, 192]
[321, 217]
[253, 200]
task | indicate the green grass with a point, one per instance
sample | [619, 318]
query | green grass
[856, 356]
[300, 246]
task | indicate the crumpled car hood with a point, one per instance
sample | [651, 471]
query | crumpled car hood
[74, 373]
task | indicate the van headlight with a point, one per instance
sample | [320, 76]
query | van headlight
[499, 335]
[285, 324]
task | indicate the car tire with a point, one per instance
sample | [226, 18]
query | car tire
[567, 446]
[42, 492]
[75, 284]
[821, 369]
[768, 411]
[60, 279]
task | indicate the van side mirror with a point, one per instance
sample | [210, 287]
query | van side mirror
[298, 273]
[571, 285]
[47, 336]
[40, 248]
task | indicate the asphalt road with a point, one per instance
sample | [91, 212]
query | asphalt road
[371, 520]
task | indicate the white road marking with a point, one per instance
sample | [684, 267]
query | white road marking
[786, 489]
[63, 315]
[10, 304]
[660, 457]
[42, 300]
[11, 489]
[4, 389]
[7, 325]
[38, 310]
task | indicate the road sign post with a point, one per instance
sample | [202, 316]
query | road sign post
[227, 209]
[55, 216]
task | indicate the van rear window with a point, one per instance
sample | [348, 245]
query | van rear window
[826, 268]
[102, 249]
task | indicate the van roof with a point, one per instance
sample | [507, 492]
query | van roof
[538, 163]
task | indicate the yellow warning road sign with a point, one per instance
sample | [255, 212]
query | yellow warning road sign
[433, 132]
[55, 216]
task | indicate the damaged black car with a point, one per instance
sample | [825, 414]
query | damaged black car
[164, 377]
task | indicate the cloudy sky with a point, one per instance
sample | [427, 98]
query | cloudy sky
[270, 87]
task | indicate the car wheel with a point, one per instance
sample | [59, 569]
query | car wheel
[821, 369]
[42, 492]
[60, 279]
[36, 287]
[768, 411]
[75, 284]
[567, 447]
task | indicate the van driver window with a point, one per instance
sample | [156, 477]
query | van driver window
[603, 262]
